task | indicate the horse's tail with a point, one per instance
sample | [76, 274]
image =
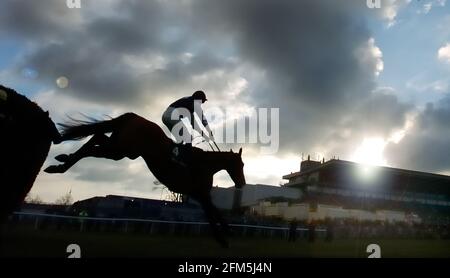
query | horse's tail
[79, 129]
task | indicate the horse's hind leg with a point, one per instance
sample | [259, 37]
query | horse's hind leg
[97, 139]
[97, 146]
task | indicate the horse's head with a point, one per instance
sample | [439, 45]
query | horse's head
[236, 169]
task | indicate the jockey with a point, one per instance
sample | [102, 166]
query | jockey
[186, 107]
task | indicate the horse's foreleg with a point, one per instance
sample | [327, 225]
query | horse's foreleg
[220, 219]
[213, 218]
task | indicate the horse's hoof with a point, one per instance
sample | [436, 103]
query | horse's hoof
[53, 169]
[62, 157]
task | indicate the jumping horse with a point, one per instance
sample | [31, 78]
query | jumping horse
[133, 136]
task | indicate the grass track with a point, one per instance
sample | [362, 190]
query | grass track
[31, 243]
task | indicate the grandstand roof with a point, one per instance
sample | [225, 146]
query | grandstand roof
[388, 177]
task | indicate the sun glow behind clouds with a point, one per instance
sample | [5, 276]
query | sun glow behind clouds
[269, 169]
[370, 152]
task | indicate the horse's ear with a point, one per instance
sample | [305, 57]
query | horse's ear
[46, 113]
[240, 151]
[231, 150]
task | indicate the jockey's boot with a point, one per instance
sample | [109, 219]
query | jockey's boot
[187, 155]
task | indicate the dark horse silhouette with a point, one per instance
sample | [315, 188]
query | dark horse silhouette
[133, 136]
[26, 133]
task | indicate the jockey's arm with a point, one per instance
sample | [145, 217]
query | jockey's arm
[210, 136]
[206, 125]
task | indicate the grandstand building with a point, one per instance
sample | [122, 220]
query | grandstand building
[344, 189]
[251, 194]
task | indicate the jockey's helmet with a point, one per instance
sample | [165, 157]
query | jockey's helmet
[200, 95]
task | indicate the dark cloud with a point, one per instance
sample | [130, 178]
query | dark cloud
[426, 146]
[36, 20]
[113, 58]
[307, 48]
[318, 67]
[311, 58]
[378, 115]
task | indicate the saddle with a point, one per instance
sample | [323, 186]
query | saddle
[182, 154]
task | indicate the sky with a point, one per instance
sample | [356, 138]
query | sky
[365, 85]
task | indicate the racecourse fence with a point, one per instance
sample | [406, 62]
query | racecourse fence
[39, 221]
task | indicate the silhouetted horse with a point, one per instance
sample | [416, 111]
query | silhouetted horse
[26, 133]
[133, 136]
